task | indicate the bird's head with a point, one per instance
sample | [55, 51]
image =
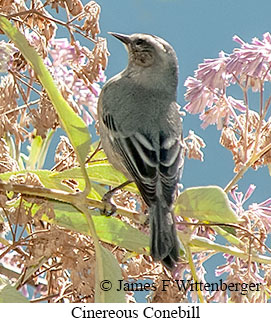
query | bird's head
[150, 55]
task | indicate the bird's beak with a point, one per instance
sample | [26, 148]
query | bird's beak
[123, 38]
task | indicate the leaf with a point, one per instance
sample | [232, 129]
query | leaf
[36, 146]
[208, 203]
[226, 233]
[103, 173]
[73, 125]
[229, 230]
[44, 148]
[198, 244]
[45, 176]
[107, 278]
[30, 270]
[109, 229]
[9, 294]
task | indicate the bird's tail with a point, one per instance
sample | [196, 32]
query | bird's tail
[165, 245]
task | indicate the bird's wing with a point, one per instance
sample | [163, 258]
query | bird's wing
[147, 165]
[171, 164]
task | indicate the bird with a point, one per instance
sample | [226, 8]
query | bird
[141, 133]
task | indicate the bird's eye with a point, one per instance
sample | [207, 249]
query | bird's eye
[140, 41]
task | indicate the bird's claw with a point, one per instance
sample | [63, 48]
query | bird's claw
[109, 208]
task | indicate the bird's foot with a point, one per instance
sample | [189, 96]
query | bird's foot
[107, 199]
[109, 208]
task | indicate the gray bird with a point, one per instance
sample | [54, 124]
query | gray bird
[141, 133]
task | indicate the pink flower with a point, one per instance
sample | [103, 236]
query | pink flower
[63, 53]
[249, 65]
[199, 96]
[208, 90]
[219, 114]
[239, 198]
[263, 211]
[67, 59]
[213, 74]
[251, 59]
[236, 104]
[6, 52]
[208, 85]
[226, 268]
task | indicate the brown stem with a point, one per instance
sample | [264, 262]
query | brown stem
[252, 160]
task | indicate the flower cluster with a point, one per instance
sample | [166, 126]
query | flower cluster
[251, 60]
[249, 66]
[77, 70]
[6, 52]
[193, 145]
[257, 219]
[69, 65]
[245, 132]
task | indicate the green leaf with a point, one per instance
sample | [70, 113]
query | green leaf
[73, 125]
[226, 233]
[208, 203]
[198, 244]
[103, 173]
[108, 175]
[113, 230]
[109, 229]
[31, 270]
[229, 230]
[9, 294]
[107, 278]
[53, 180]
[35, 149]
[44, 148]
[46, 177]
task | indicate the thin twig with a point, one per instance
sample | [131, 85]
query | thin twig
[248, 164]
[245, 133]
[64, 24]
[9, 223]
[98, 148]
[22, 107]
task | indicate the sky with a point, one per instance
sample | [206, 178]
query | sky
[197, 29]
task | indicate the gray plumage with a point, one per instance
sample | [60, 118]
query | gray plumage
[141, 133]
